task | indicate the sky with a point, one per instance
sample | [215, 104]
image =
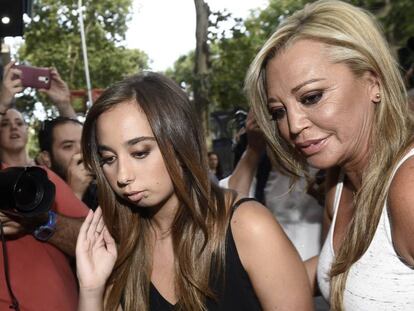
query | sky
[165, 29]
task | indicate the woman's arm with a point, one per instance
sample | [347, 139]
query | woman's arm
[275, 269]
[401, 209]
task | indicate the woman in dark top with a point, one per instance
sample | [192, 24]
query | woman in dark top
[166, 237]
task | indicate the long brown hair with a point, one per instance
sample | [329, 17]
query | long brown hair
[198, 230]
[339, 26]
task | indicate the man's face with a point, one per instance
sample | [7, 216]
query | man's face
[66, 140]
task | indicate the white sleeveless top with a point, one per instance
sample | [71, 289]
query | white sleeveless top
[379, 280]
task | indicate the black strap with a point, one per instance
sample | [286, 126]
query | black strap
[238, 203]
[15, 302]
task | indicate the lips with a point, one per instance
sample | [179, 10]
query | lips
[311, 146]
[135, 196]
[14, 136]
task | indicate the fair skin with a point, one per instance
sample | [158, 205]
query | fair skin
[65, 144]
[13, 139]
[326, 112]
[59, 93]
[135, 169]
[65, 158]
[11, 85]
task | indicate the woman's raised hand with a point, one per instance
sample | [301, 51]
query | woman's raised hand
[96, 253]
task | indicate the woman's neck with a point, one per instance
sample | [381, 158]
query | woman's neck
[16, 158]
[163, 219]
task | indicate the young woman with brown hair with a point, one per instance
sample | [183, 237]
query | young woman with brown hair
[178, 240]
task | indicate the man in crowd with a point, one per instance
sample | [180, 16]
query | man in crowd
[35, 273]
[59, 142]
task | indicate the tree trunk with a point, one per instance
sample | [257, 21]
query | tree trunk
[202, 66]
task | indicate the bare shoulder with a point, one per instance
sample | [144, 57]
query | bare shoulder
[255, 229]
[253, 219]
[274, 267]
[401, 209]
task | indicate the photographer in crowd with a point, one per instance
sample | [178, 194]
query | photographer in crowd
[59, 142]
[35, 272]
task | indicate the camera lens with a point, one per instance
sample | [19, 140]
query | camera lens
[27, 193]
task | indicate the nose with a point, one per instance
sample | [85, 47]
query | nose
[298, 120]
[125, 174]
[13, 126]
[77, 148]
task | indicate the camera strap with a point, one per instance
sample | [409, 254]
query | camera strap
[15, 302]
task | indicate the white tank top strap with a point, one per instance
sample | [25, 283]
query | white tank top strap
[338, 193]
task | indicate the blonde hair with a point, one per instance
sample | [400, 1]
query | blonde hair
[351, 36]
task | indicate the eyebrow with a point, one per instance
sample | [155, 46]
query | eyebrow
[295, 89]
[137, 140]
[67, 141]
[298, 87]
[15, 119]
[130, 142]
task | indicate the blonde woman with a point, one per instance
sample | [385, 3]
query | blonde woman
[328, 93]
[179, 241]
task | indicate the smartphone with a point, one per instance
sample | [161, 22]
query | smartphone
[35, 77]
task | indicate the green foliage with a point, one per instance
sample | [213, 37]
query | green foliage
[232, 53]
[52, 38]
[396, 18]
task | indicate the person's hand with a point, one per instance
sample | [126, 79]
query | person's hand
[42, 159]
[96, 253]
[14, 225]
[59, 93]
[255, 136]
[10, 226]
[78, 177]
[11, 85]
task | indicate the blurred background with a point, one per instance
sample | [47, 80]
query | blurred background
[205, 46]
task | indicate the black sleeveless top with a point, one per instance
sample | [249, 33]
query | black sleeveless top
[235, 294]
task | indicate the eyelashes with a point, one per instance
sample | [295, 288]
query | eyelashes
[110, 159]
[309, 99]
[277, 114]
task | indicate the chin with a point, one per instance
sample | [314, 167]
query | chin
[320, 163]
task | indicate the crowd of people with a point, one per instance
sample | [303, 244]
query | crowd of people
[318, 204]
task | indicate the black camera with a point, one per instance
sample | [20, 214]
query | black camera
[25, 191]
[240, 117]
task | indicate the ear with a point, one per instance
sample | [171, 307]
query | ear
[373, 87]
[43, 158]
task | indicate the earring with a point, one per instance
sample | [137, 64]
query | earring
[377, 98]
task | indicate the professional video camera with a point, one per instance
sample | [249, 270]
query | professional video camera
[25, 191]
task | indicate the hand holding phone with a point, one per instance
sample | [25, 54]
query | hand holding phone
[10, 86]
[35, 77]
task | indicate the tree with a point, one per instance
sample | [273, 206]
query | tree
[201, 62]
[232, 53]
[52, 38]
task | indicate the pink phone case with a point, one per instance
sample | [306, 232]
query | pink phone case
[35, 77]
